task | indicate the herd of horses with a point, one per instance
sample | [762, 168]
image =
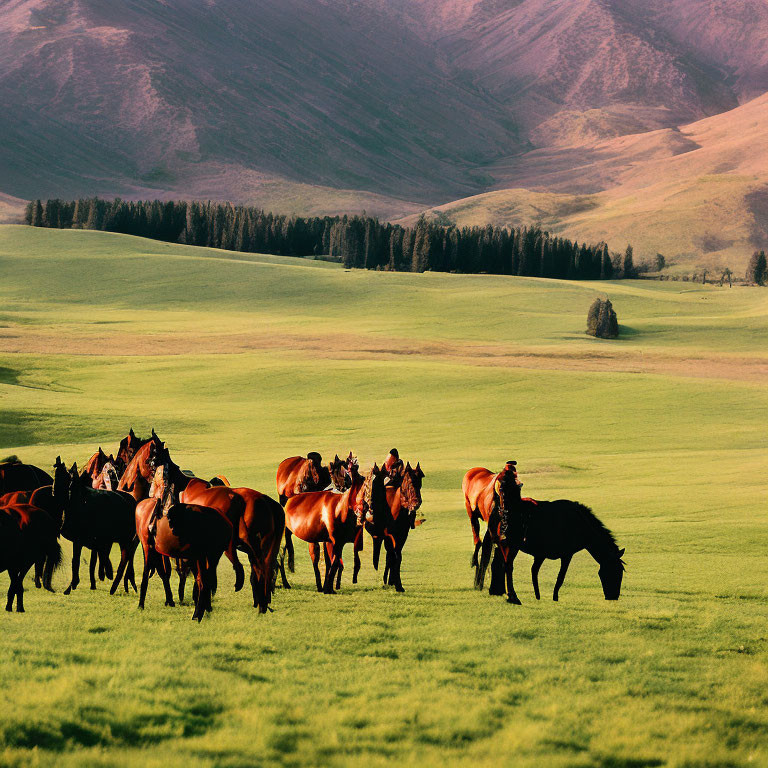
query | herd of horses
[141, 496]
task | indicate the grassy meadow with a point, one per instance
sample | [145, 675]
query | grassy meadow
[241, 360]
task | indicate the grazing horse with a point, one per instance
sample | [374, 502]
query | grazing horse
[95, 519]
[324, 516]
[194, 534]
[15, 476]
[300, 474]
[403, 501]
[27, 535]
[557, 530]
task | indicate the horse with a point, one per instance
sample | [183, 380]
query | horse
[96, 519]
[142, 466]
[557, 530]
[303, 474]
[51, 501]
[192, 533]
[91, 474]
[27, 535]
[128, 448]
[487, 495]
[403, 501]
[15, 476]
[230, 505]
[324, 516]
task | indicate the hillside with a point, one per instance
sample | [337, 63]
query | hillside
[345, 106]
[696, 193]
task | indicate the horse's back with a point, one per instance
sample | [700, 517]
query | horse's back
[476, 482]
[286, 470]
[16, 476]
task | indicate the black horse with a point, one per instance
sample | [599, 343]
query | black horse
[555, 530]
[96, 519]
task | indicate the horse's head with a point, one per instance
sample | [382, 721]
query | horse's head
[74, 484]
[507, 486]
[410, 487]
[111, 478]
[338, 474]
[611, 573]
[61, 479]
[129, 445]
[373, 496]
[352, 469]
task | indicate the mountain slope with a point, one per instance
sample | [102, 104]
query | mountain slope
[698, 194]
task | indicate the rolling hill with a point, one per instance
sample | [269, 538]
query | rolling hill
[593, 115]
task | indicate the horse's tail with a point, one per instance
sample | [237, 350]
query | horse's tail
[289, 551]
[53, 560]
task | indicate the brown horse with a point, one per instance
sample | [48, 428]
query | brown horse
[303, 474]
[486, 496]
[92, 471]
[231, 506]
[15, 476]
[27, 535]
[127, 449]
[403, 501]
[141, 469]
[324, 516]
[191, 533]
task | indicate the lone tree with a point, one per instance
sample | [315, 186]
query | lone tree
[757, 270]
[602, 321]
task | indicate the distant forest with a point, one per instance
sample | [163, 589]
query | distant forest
[357, 241]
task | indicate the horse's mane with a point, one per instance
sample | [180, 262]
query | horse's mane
[595, 524]
[12, 459]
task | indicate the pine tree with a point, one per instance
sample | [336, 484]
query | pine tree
[757, 271]
[606, 267]
[629, 267]
[37, 214]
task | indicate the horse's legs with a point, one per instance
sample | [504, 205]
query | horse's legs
[537, 562]
[124, 550]
[314, 556]
[398, 561]
[164, 569]
[509, 566]
[289, 550]
[20, 588]
[39, 565]
[377, 542]
[92, 568]
[130, 575]
[340, 567]
[475, 524]
[182, 571]
[564, 563]
[203, 595]
[331, 572]
[231, 553]
[497, 574]
[105, 564]
[485, 558]
[148, 559]
[358, 548]
[77, 548]
[283, 579]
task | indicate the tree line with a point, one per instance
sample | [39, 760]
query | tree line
[357, 241]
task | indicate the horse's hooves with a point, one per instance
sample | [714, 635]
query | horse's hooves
[67, 590]
[514, 600]
[9, 608]
[20, 610]
[51, 590]
[496, 592]
[93, 586]
[170, 604]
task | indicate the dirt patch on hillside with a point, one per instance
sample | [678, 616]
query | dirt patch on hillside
[357, 347]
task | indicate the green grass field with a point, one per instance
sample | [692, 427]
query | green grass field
[239, 361]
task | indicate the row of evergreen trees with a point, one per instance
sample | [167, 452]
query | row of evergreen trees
[357, 241]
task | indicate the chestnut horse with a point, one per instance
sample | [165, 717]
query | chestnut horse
[15, 476]
[128, 448]
[303, 474]
[92, 471]
[27, 535]
[403, 501]
[192, 533]
[231, 506]
[141, 468]
[324, 516]
[486, 496]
